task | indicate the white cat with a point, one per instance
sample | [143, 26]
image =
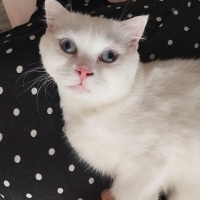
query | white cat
[138, 123]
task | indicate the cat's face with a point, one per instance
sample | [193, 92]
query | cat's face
[91, 59]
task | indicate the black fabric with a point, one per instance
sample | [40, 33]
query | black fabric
[36, 161]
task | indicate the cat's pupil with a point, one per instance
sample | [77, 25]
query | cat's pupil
[68, 46]
[109, 56]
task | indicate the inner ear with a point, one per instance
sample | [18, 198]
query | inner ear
[54, 11]
[135, 26]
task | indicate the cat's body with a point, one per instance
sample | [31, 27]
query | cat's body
[150, 137]
[138, 123]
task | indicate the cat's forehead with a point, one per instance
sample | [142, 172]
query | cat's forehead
[92, 32]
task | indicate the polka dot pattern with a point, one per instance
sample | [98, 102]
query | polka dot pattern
[170, 42]
[1, 90]
[19, 69]
[91, 180]
[49, 111]
[6, 183]
[29, 196]
[34, 91]
[32, 37]
[60, 190]
[1, 137]
[38, 176]
[16, 112]
[71, 168]
[196, 46]
[17, 159]
[9, 50]
[33, 133]
[40, 152]
[51, 151]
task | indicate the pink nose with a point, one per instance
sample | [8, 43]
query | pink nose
[84, 72]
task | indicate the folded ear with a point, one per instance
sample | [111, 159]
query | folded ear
[135, 26]
[54, 10]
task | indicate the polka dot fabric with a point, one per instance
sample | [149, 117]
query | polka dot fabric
[36, 161]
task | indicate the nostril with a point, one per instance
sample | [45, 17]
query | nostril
[90, 74]
[84, 71]
[78, 71]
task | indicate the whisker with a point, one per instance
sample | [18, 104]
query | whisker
[124, 11]
[24, 75]
[39, 79]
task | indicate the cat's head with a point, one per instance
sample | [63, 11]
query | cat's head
[93, 60]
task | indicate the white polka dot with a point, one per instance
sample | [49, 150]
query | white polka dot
[6, 41]
[91, 180]
[87, 1]
[133, 0]
[19, 69]
[32, 37]
[80, 199]
[189, 4]
[49, 110]
[118, 7]
[38, 177]
[9, 50]
[28, 195]
[2, 196]
[175, 12]
[17, 159]
[170, 42]
[129, 15]
[8, 35]
[51, 151]
[1, 90]
[6, 183]
[92, 11]
[146, 6]
[108, 6]
[186, 28]
[1, 137]
[158, 19]
[86, 4]
[29, 24]
[60, 190]
[196, 45]
[199, 18]
[16, 111]
[152, 56]
[33, 133]
[161, 0]
[71, 168]
[160, 25]
[34, 91]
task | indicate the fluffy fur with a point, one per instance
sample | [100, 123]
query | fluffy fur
[138, 123]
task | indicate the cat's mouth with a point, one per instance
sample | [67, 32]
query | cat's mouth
[79, 87]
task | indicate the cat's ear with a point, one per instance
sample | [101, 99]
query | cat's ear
[54, 10]
[135, 26]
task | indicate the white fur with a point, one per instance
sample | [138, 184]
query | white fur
[138, 123]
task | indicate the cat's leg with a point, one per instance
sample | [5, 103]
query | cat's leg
[185, 190]
[185, 180]
[144, 187]
[188, 193]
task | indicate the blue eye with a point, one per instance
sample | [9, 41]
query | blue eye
[68, 46]
[109, 56]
